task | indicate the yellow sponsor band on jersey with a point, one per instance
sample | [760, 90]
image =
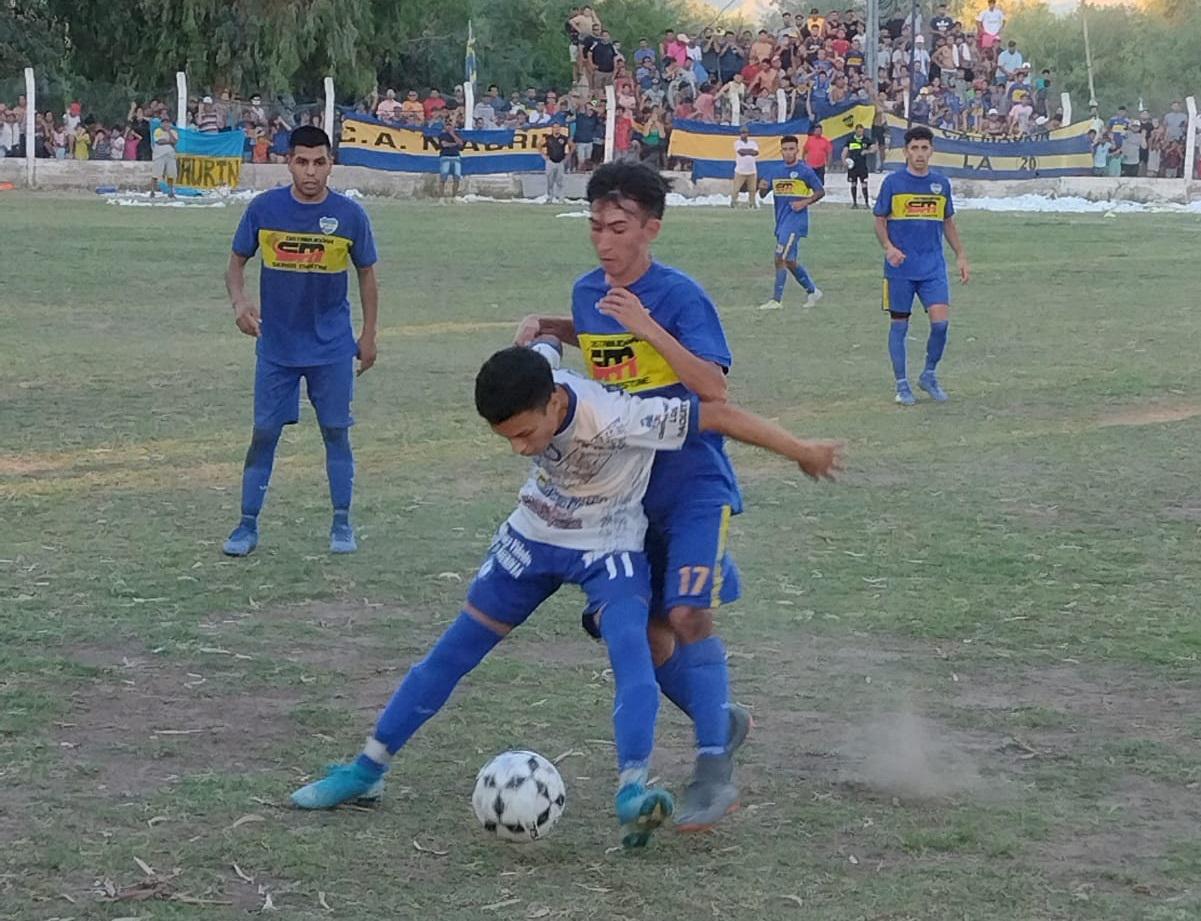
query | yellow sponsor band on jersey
[924, 207]
[620, 360]
[304, 252]
[797, 187]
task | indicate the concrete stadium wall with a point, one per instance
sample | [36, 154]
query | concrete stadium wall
[88, 176]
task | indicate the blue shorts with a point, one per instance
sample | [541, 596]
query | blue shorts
[277, 393]
[519, 574]
[448, 165]
[899, 293]
[788, 244]
[686, 547]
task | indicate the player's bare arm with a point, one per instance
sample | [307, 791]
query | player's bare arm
[817, 459]
[893, 255]
[246, 314]
[802, 203]
[369, 295]
[704, 378]
[951, 230]
[533, 326]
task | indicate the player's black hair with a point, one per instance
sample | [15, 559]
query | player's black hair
[636, 181]
[919, 133]
[308, 136]
[513, 381]
[789, 139]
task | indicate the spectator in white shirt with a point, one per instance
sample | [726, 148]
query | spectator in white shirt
[746, 152]
[921, 57]
[1019, 115]
[1010, 61]
[991, 21]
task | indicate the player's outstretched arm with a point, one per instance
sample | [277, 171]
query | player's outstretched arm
[246, 314]
[817, 459]
[533, 326]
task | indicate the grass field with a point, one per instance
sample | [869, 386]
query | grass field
[974, 664]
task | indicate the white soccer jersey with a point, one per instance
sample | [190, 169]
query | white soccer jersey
[585, 490]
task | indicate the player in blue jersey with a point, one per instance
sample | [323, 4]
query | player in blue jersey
[308, 237]
[794, 186]
[651, 330]
[579, 521]
[914, 211]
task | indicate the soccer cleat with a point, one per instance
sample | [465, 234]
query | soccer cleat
[740, 727]
[814, 296]
[904, 395]
[243, 539]
[710, 796]
[640, 811]
[771, 305]
[341, 538]
[342, 783]
[928, 381]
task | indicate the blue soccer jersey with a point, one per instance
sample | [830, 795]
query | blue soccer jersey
[614, 357]
[306, 250]
[916, 208]
[790, 182]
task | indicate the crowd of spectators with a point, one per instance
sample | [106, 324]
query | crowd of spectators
[958, 75]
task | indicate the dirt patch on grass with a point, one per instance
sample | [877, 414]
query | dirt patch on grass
[1151, 415]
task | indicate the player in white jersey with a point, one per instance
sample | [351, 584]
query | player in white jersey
[579, 521]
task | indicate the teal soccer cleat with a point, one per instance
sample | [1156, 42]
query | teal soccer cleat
[640, 811]
[342, 783]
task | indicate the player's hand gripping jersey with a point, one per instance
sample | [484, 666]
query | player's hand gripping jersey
[615, 358]
[585, 490]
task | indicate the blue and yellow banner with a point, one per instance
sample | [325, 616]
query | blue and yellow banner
[209, 160]
[369, 142]
[711, 147]
[1063, 152]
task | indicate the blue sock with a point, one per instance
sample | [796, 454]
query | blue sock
[709, 692]
[803, 278]
[256, 473]
[673, 682]
[936, 344]
[897, 331]
[635, 697]
[428, 684]
[339, 467]
[781, 280]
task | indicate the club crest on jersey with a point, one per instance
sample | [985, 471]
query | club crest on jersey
[330, 224]
[793, 174]
[936, 188]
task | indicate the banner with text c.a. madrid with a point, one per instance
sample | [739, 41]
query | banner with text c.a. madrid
[1063, 152]
[369, 142]
[209, 160]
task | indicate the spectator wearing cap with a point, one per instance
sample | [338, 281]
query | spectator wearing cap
[1010, 61]
[389, 108]
[994, 124]
[990, 21]
[921, 57]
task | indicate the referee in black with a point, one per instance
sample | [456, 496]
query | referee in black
[858, 146]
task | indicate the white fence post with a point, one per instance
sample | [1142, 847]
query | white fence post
[31, 108]
[781, 103]
[610, 121]
[469, 105]
[735, 110]
[1190, 142]
[181, 101]
[327, 123]
[1065, 101]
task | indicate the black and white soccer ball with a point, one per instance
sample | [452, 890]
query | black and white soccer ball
[518, 796]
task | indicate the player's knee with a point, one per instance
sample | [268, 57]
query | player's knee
[335, 435]
[791, 264]
[662, 641]
[691, 625]
[499, 627]
[262, 445]
[898, 317]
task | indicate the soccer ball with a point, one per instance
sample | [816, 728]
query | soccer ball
[849, 162]
[518, 796]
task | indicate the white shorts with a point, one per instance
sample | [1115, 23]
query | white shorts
[164, 165]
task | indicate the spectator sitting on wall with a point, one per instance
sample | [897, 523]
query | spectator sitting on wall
[388, 109]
